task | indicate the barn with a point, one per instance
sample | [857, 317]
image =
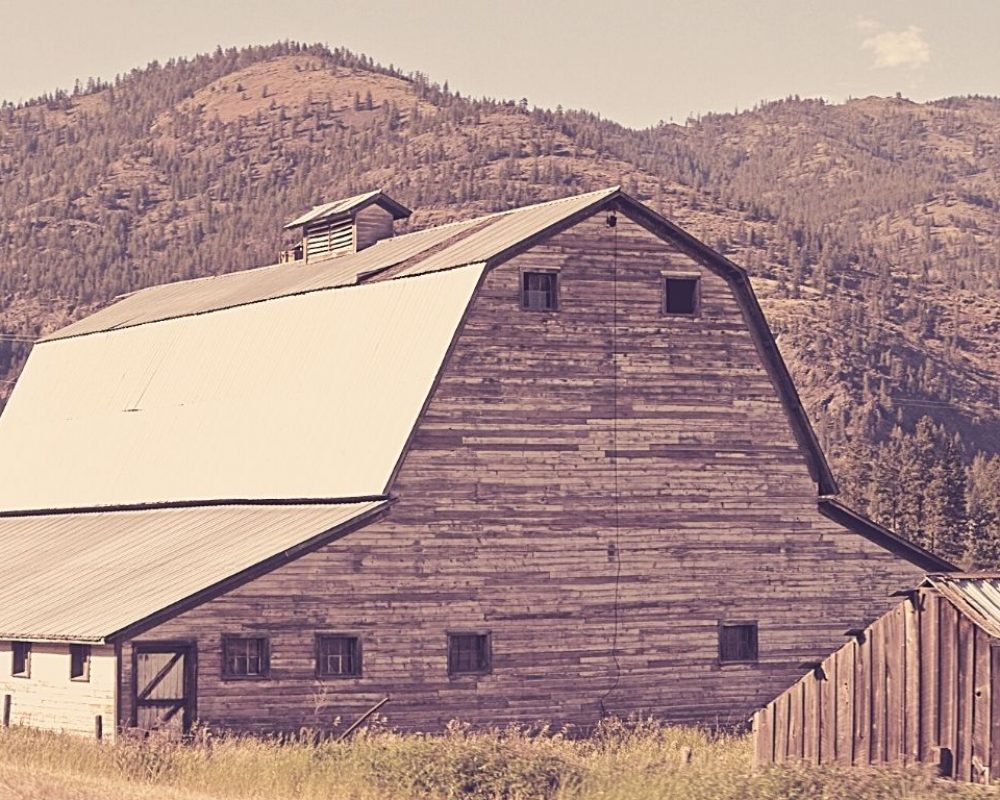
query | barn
[542, 465]
[921, 684]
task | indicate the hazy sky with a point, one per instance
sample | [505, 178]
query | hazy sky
[636, 61]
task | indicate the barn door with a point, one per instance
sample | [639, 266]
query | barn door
[164, 680]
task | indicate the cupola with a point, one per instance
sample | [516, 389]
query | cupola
[345, 226]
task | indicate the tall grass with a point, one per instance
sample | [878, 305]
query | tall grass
[619, 761]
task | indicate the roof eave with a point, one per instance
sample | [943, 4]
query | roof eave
[51, 639]
[883, 537]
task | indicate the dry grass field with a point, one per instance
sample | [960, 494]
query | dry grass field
[618, 762]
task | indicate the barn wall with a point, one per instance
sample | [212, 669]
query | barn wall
[919, 680]
[371, 225]
[48, 699]
[507, 522]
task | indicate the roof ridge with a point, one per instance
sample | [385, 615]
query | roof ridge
[607, 191]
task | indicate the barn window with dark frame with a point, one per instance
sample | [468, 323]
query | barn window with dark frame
[245, 657]
[21, 664]
[737, 642]
[79, 662]
[539, 291]
[681, 295]
[469, 654]
[338, 656]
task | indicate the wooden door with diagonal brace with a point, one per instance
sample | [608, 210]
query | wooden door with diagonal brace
[164, 677]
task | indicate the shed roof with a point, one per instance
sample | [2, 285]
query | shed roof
[86, 577]
[977, 595]
[306, 396]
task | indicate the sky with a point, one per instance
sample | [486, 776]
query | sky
[637, 62]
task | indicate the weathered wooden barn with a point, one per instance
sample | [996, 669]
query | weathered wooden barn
[541, 465]
[920, 684]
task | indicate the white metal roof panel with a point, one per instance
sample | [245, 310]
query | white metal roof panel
[83, 577]
[301, 397]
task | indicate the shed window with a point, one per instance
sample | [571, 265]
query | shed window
[338, 656]
[469, 654]
[540, 291]
[680, 295]
[737, 642]
[79, 662]
[21, 666]
[245, 657]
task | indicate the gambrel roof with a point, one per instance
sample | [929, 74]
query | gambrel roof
[296, 385]
[488, 240]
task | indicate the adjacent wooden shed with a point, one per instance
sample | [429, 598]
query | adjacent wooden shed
[920, 684]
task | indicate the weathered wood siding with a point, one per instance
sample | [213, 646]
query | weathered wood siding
[371, 225]
[598, 488]
[48, 699]
[920, 679]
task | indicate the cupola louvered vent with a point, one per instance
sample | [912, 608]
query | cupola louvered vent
[345, 226]
[326, 238]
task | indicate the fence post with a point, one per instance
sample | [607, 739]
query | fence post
[99, 727]
[6, 710]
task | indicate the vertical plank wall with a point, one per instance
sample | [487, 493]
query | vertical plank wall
[917, 680]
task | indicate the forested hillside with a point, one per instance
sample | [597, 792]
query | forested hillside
[871, 228]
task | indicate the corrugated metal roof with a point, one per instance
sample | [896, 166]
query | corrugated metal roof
[201, 295]
[976, 595]
[83, 577]
[347, 204]
[476, 240]
[506, 231]
[307, 396]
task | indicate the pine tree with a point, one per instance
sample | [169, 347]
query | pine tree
[983, 501]
[945, 518]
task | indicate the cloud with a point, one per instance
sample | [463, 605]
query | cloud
[867, 24]
[897, 48]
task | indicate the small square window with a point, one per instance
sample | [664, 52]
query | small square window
[79, 662]
[21, 667]
[338, 656]
[680, 295]
[469, 654]
[245, 657]
[737, 642]
[539, 291]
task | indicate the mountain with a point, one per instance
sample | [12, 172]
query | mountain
[870, 228]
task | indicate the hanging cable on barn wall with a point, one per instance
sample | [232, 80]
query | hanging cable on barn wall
[615, 547]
